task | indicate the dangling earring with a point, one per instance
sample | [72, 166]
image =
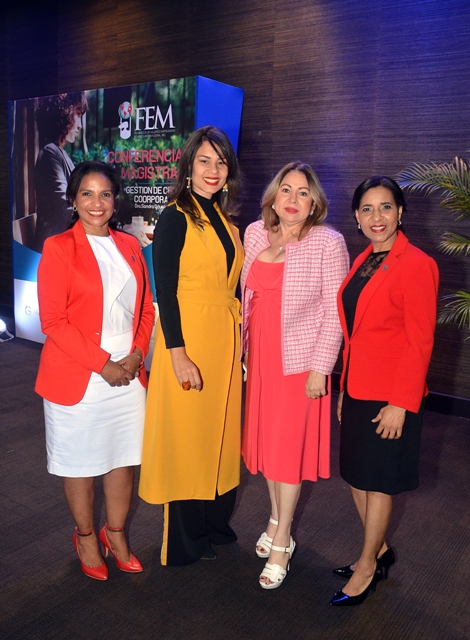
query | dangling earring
[188, 183]
[225, 189]
[359, 226]
[399, 222]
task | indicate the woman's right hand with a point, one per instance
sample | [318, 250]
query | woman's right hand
[339, 407]
[115, 375]
[185, 369]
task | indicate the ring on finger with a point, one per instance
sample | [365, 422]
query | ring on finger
[186, 385]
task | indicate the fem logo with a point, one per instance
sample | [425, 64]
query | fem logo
[125, 122]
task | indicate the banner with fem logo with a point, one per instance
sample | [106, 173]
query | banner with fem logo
[139, 129]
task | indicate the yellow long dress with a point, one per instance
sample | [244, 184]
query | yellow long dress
[191, 446]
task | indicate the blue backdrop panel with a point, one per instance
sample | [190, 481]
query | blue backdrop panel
[25, 263]
[221, 105]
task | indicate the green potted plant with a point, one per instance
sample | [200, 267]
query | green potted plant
[452, 182]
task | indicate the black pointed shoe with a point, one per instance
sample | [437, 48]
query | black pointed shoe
[341, 599]
[383, 564]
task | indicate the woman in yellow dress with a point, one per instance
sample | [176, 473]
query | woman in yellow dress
[191, 451]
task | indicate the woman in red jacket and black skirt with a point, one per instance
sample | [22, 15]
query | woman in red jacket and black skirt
[387, 307]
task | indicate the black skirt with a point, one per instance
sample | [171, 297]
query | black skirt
[370, 463]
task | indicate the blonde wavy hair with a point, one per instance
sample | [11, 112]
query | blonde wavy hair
[270, 217]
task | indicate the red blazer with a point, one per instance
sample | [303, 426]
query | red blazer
[387, 356]
[70, 296]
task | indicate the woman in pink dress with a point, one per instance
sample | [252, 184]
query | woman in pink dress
[293, 269]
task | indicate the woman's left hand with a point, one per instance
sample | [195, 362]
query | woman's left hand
[391, 420]
[132, 362]
[316, 385]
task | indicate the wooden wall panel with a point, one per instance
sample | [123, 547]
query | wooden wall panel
[353, 88]
[423, 112]
[87, 44]
[324, 91]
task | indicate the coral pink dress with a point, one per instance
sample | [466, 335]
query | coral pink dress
[286, 435]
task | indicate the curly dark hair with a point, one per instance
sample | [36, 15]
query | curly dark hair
[55, 115]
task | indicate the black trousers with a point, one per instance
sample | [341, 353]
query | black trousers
[191, 526]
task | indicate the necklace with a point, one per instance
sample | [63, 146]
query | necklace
[281, 247]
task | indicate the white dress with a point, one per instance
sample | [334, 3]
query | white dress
[104, 430]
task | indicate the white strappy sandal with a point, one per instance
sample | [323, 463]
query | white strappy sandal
[265, 542]
[274, 572]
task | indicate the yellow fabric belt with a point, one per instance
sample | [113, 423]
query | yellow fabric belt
[218, 297]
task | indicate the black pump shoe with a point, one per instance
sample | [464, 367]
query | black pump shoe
[385, 561]
[383, 564]
[341, 599]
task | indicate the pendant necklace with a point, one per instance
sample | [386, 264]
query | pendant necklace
[283, 246]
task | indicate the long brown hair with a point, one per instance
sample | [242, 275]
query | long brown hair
[228, 201]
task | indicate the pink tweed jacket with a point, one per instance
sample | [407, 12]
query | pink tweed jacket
[314, 269]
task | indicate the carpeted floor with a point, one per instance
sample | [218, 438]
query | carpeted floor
[44, 595]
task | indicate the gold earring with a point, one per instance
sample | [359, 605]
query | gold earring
[188, 183]
[225, 189]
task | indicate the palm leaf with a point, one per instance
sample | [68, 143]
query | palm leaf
[457, 311]
[453, 244]
[453, 179]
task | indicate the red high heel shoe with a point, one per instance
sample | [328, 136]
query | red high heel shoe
[100, 572]
[132, 565]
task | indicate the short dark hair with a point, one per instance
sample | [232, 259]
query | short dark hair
[218, 139]
[85, 168]
[55, 115]
[378, 181]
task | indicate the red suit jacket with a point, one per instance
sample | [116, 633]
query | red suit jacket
[70, 297]
[388, 353]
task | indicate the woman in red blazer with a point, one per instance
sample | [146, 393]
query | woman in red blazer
[97, 313]
[387, 308]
